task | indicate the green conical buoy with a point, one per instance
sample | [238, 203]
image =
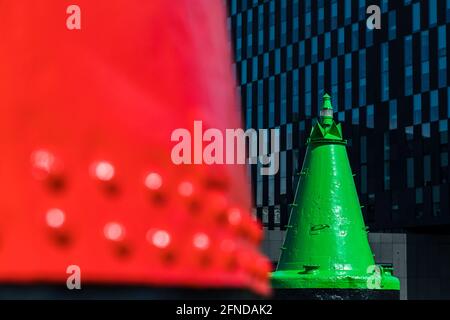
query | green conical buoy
[326, 253]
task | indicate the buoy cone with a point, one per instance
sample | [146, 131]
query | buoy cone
[326, 253]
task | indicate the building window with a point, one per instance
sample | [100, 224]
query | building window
[348, 67]
[410, 172]
[392, 25]
[308, 91]
[307, 25]
[348, 95]
[348, 12]
[341, 41]
[314, 50]
[393, 114]
[416, 17]
[355, 116]
[387, 147]
[408, 47]
[425, 76]
[370, 117]
[409, 133]
[362, 92]
[384, 71]
[238, 49]
[289, 145]
[244, 72]
[301, 54]
[283, 33]
[362, 63]
[308, 104]
[260, 41]
[417, 105]
[442, 53]
[434, 106]
[369, 37]
[254, 68]
[249, 95]
[387, 176]
[320, 24]
[348, 81]
[260, 17]
[443, 131]
[355, 36]
[272, 37]
[277, 61]
[260, 92]
[419, 195]
[289, 58]
[425, 47]
[233, 7]
[327, 49]
[408, 80]
[295, 33]
[334, 14]
[448, 11]
[362, 9]
[426, 130]
[432, 10]
[295, 83]
[384, 6]
[320, 79]
[408, 50]
[283, 101]
[266, 65]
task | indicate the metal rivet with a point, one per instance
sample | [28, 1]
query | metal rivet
[159, 238]
[201, 241]
[103, 171]
[154, 184]
[153, 181]
[114, 231]
[55, 218]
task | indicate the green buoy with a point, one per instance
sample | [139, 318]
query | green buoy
[326, 252]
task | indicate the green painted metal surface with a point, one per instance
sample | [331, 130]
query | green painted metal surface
[326, 244]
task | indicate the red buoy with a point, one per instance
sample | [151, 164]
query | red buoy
[86, 117]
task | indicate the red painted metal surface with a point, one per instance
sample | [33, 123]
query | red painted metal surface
[85, 123]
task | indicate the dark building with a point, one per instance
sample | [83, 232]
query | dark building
[389, 89]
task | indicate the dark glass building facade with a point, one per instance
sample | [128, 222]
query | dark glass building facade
[389, 89]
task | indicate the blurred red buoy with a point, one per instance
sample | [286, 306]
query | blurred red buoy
[94, 108]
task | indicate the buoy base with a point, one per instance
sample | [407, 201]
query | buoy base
[335, 294]
[119, 292]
